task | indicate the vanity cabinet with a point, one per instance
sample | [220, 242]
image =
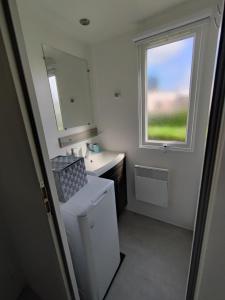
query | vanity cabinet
[118, 175]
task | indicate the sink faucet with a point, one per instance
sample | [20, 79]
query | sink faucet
[87, 150]
[75, 151]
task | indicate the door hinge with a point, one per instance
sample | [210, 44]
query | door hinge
[45, 199]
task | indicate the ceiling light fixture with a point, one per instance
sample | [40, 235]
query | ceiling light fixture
[84, 21]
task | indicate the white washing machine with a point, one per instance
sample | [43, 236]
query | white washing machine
[91, 226]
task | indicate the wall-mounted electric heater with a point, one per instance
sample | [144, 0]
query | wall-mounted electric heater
[151, 185]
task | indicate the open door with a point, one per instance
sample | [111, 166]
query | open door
[36, 231]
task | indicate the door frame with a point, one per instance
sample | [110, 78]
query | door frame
[39, 151]
[212, 147]
[215, 120]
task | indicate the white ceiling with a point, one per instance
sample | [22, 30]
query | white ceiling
[108, 18]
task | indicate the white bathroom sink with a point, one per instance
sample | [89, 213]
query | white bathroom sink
[99, 163]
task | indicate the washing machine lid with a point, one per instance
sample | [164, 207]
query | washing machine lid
[82, 201]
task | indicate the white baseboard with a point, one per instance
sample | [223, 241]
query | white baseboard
[159, 218]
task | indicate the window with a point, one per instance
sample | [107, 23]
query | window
[168, 87]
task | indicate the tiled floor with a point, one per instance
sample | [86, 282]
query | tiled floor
[156, 262]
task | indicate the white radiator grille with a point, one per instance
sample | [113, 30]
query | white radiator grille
[151, 185]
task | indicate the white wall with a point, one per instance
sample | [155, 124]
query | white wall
[36, 33]
[115, 67]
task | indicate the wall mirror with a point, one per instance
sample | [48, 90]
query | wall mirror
[69, 83]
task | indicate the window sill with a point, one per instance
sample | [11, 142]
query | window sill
[166, 148]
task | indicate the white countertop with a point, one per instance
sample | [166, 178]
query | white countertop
[99, 163]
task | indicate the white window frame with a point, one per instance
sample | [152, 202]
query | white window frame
[197, 30]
